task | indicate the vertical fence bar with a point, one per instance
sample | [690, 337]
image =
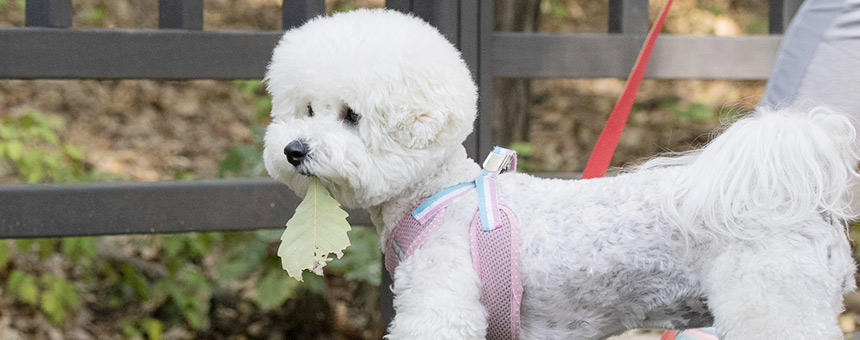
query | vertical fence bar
[470, 35]
[296, 12]
[180, 14]
[404, 6]
[48, 13]
[444, 14]
[780, 14]
[483, 126]
[386, 298]
[628, 16]
[476, 28]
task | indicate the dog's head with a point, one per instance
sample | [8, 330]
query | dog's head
[369, 101]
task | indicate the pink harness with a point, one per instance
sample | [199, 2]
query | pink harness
[494, 242]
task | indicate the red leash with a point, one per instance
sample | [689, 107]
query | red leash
[608, 140]
[605, 147]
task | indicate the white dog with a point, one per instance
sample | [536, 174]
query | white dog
[747, 233]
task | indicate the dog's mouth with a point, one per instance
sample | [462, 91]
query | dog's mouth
[303, 168]
[304, 171]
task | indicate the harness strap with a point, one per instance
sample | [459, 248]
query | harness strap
[500, 160]
[432, 205]
[608, 140]
[496, 250]
[494, 240]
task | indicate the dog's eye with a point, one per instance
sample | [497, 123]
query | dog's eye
[310, 111]
[350, 116]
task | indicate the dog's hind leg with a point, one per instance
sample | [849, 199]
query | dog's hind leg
[783, 287]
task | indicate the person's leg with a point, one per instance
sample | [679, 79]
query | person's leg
[819, 60]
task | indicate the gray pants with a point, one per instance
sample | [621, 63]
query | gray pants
[819, 60]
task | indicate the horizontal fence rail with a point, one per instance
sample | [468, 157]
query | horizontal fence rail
[111, 208]
[35, 53]
[531, 55]
[85, 209]
[38, 53]
[180, 49]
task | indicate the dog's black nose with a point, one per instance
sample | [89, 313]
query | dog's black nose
[296, 152]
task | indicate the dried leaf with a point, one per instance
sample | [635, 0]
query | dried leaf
[318, 228]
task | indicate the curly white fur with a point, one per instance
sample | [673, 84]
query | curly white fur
[746, 233]
[769, 168]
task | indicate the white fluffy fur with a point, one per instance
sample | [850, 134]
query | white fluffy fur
[746, 233]
[768, 167]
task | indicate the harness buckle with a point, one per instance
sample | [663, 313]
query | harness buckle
[496, 162]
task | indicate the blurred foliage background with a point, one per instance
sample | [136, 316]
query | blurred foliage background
[229, 285]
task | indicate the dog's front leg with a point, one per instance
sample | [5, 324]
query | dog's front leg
[437, 293]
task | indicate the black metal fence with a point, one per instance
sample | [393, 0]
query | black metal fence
[49, 48]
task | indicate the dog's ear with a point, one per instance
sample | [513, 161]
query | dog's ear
[419, 130]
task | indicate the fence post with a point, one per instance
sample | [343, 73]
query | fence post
[48, 13]
[780, 14]
[404, 6]
[628, 16]
[180, 14]
[444, 14]
[484, 77]
[296, 12]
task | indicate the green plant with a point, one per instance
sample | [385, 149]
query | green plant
[756, 24]
[95, 16]
[23, 286]
[249, 258]
[58, 296]
[175, 283]
[256, 91]
[54, 295]
[31, 148]
[360, 262]
[692, 111]
[342, 6]
[16, 4]
[555, 8]
[246, 160]
[173, 287]
[525, 151]
[714, 9]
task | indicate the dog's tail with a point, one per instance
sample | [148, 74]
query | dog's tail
[771, 169]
